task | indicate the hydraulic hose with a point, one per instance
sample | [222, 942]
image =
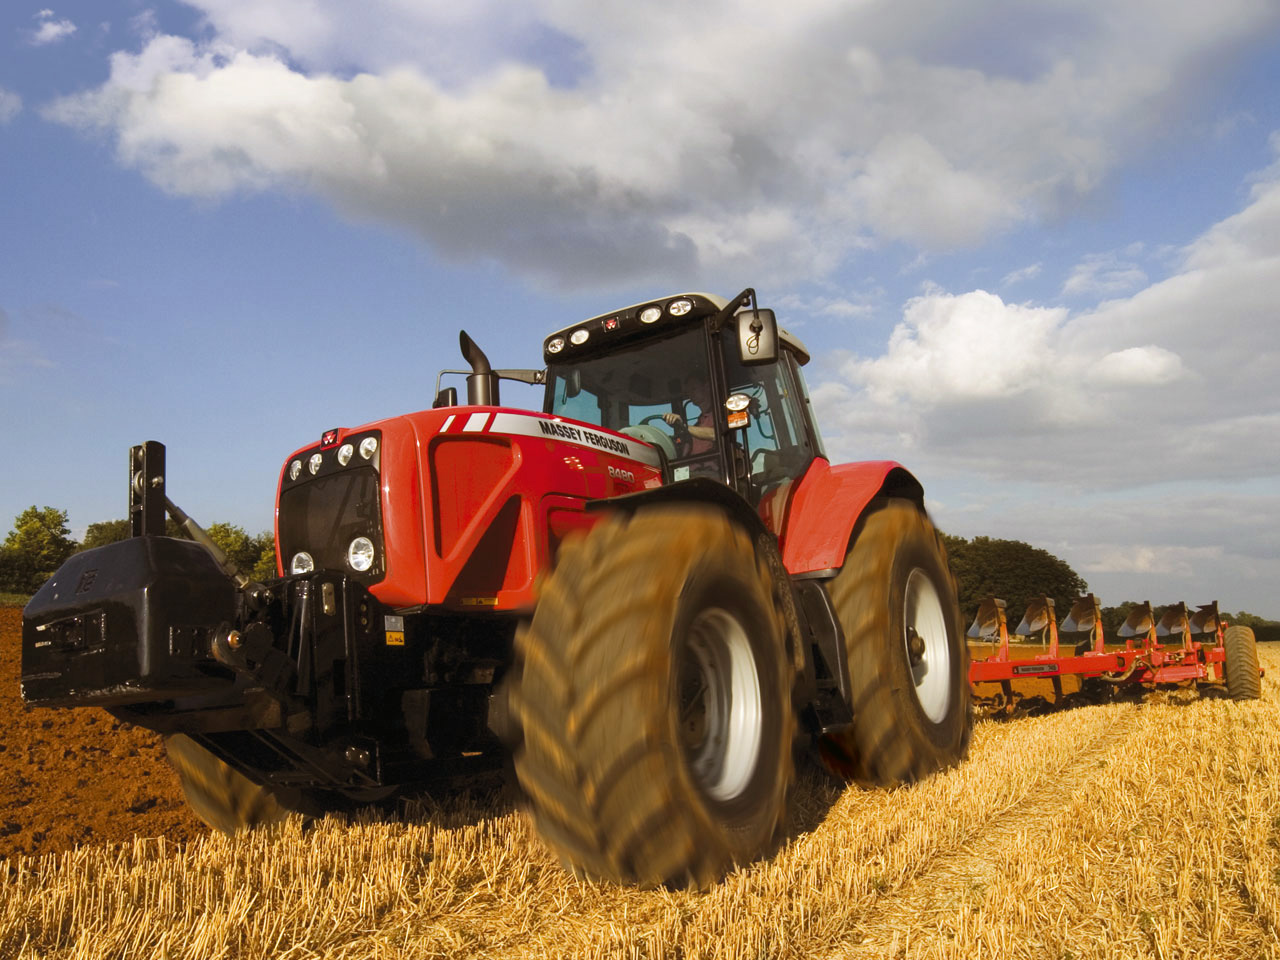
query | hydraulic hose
[201, 536]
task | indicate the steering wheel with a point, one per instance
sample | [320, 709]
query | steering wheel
[680, 430]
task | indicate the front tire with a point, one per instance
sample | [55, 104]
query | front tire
[908, 664]
[223, 798]
[1241, 667]
[653, 693]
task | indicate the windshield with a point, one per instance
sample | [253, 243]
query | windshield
[634, 387]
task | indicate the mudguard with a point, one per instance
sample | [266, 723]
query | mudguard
[826, 505]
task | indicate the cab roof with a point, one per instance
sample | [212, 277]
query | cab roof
[605, 332]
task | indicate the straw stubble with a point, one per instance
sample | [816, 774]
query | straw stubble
[1128, 830]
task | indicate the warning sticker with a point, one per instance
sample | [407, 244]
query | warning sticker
[393, 626]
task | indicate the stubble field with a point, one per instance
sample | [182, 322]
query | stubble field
[1127, 830]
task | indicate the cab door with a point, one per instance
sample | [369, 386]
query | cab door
[777, 443]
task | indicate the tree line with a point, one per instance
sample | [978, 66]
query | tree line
[40, 542]
[1016, 572]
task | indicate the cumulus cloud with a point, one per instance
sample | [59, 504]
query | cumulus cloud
[50, 29]
[585, 146]
[10, 105]
[1139, 366]
[1175, 382]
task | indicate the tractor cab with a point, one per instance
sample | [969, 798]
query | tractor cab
[717, 390]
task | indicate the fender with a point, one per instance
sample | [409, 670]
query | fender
[827, 505]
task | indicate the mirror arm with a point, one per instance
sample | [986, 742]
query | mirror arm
[747, 296]
[524, 376]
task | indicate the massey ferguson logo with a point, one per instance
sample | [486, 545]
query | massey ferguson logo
[618, 474]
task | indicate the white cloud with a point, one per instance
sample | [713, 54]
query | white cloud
[1029, 272]
[1104, 275]
[1174, 383]
[10, 105]
[1164, 560]
[1139, 366]
[537, 135]
[50, 29]
[972, 346]
[834, 307]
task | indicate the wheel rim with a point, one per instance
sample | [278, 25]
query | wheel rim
[928, 651]
[720, 704]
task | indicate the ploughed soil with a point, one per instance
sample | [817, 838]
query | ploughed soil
[77, 776]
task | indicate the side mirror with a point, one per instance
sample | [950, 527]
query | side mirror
[448, 397]
[757, 337]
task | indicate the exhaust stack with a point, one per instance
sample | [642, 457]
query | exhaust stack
[482, 382]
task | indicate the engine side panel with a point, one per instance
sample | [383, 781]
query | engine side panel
[475, 500]
[502, 487]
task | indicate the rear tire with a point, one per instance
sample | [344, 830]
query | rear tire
[221, 797]
[908, 661]
[1241, 666]
[653, 693]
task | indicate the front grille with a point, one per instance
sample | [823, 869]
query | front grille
[323, 514]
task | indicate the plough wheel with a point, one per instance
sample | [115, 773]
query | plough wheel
[653, 694]
[1243, 681]
[895, 598]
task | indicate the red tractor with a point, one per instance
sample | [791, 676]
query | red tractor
[649, 595]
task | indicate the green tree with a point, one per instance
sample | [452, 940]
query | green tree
[34, 549]
[1013, 571]
[244, 550]
[265, 568]
[110, 531]
[255, 555]
[1246, 619]
[104, 532]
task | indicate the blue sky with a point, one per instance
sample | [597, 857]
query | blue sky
[1033, 247]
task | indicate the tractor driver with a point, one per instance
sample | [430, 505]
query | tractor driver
[702, 432]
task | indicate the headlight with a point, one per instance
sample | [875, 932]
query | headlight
[295, 468]
[555, 345]
[345, 453]
[301, 563]
[314, 463]
[650, 314]
[579, 336]
[368, 447]
[360, 554]
[678, 308]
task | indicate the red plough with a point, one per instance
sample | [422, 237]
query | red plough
[1199, 648]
